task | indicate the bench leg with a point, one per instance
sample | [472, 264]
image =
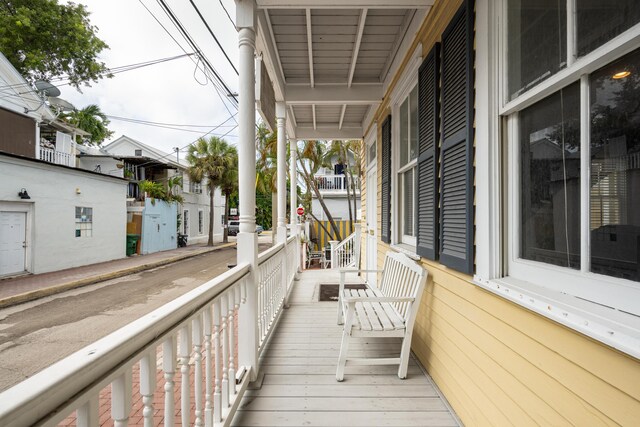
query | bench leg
[404, 357]
[342, 359]
[340, 306]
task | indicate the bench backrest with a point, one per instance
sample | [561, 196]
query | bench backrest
[403, 277]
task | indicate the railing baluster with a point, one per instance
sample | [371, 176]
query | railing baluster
[230, 326]
[121, 398]
[217, 396]
[196, 325]
[208, 404]
[225, 350]
[87, 415]
[148, 385]
[169, 368]
[185, 386]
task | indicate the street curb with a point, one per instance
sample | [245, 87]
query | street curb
[45, 292]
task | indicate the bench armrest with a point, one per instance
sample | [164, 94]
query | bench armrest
[353, 300]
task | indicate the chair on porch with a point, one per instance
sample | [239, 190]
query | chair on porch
[386, 312]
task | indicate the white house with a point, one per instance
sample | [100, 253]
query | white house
[52, 215]
[145, 162]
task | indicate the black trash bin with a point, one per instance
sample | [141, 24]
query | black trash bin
[182, 240]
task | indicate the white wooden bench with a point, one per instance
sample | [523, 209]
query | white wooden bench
[388, 311]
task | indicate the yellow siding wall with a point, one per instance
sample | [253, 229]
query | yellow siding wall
[498, 363]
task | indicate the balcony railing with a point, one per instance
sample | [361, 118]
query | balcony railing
[187, 343]
[58, 157]
[336, 182]
[346, 253]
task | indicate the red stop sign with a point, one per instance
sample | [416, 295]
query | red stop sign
[300, 210]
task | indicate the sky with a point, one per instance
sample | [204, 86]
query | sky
[170, 92]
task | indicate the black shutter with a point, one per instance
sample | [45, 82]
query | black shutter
[385, 231]
[428, 141]
[456, 211]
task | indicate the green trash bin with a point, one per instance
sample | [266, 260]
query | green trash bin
[132, 242]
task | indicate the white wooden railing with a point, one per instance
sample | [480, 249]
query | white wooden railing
[58, 157]
[335, 182]
[346, 253]
[156, 356]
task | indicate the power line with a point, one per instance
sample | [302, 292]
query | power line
[204, 21]
[161, 123]
[228, 16]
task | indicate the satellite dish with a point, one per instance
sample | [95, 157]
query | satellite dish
[61, 104]
[47, 88]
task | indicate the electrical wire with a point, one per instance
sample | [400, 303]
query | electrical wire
[228, 16]
[206, 24]
[164, 124]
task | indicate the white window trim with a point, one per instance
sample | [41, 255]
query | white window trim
[614, 328]
[406, 83]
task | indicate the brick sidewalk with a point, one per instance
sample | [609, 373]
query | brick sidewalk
[28, 287]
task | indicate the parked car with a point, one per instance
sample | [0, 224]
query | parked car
[234, 227]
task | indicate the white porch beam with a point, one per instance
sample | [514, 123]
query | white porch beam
[293, 116]
[334, 94]
[247, 237]
[310, 48]
[307, 133]
[272, 56]
[347, 4]
[356, 47]
[344, 109]
[313, 109]
[281, 159]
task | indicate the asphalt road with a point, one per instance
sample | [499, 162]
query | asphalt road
[36, 334]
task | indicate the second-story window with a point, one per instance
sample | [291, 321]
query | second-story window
[407, 160]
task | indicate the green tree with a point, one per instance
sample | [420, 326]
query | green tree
[208, 160]
[90, 119]
[229, 185]
[266, 169]
[44, 39]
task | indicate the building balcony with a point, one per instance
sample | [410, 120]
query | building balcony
[189, 362]
[336, 185]
[52, 155]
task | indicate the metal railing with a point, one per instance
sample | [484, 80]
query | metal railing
[51, 155]
[192, 337]
[346, 253]
[335, 182]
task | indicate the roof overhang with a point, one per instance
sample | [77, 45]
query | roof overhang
[330, 61]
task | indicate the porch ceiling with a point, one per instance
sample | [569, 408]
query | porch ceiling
[329, 60]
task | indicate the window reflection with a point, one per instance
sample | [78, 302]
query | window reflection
[550, 179]
[615, 168]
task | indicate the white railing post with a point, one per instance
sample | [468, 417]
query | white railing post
[208, 393]
[148, 385]
[196, 326]
[334, 261]
[246, 17]
[185, 383]
[121, 398]
[169, 368]
[87, 414]
[357, 245]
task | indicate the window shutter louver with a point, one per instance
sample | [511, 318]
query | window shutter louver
[385, 232]
[456, 193]
[428, 140]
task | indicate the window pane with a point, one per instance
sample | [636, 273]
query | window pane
[537, 42]
[615, 168]
[413, 102]
[599, 21]
[550, 179]
[404, 132]
[407, 206]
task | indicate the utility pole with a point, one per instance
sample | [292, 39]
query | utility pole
[177, 150]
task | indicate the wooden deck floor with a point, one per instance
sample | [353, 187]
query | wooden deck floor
[299, 386]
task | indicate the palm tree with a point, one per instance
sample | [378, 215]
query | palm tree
[266, 168]
[90, 119]
[228, 185]
[209, 159]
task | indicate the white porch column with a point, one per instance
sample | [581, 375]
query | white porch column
[281, 118]
[247, 237]
[293, 216]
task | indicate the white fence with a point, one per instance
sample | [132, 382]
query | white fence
[58, 157]
[335, 182]
[194, 336]
[346, 253]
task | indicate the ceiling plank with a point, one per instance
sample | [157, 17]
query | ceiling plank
[313, 109]
[334, 94]
[344, 109]
[356, 48]
[310, 47]
[396, 46]
[346, 4]
[328, 133]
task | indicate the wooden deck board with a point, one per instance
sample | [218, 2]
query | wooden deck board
[299, 365]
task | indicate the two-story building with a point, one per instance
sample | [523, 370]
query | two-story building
[52, 215]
